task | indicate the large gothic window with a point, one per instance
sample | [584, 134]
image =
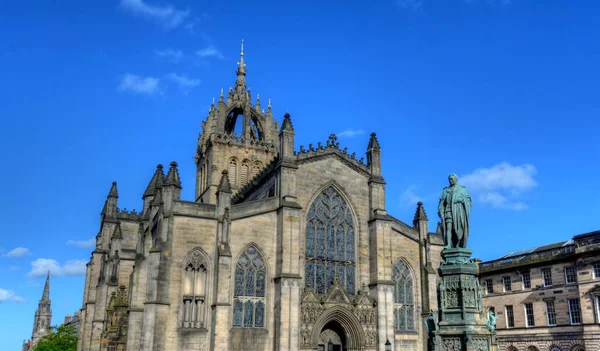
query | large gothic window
[195, 273]
[249, 292]
[329, 243]
[404, 302]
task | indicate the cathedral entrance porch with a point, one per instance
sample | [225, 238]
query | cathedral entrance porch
[332, 338]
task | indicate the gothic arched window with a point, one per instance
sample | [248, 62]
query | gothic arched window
[329, 243]
[195, 274]
[249, 292]
[244, 173]
[404, 302]
[256, 168]
[232, 171]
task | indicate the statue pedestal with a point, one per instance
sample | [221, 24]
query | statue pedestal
[462, 324]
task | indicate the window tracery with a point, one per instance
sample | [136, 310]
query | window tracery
[404, 303]
[330, 243]
[195, 274]
[249, 290]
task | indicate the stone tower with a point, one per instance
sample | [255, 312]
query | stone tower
[43, 315]
[236, 136]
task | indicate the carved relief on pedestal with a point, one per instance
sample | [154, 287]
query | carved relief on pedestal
[478, 344]
[452, 344]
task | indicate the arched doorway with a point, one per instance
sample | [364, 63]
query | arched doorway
[332, 337]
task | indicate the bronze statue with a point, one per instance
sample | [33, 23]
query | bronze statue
[454, 210]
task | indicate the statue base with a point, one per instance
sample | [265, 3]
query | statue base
[463, 325]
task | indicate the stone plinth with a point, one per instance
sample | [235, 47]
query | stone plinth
[462, 325]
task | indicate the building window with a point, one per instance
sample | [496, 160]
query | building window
[256, 168]
[249, 292]
[507, 284]
[570, 276]
[529, 318]
[195, 268]
[404, 308]
[244, 173]
[489, 286]
[597, 271]
[547, 276]
[551, 312]
[526, 280]
[510, 317]
[329, 243]
[574, 311]
[233, 171]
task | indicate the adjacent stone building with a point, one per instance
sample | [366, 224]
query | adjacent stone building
[42, 323]
[279, 250]
[546, 298]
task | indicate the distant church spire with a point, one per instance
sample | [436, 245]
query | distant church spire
[46, 294]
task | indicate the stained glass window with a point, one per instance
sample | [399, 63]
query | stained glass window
[249, 290]
[329, 243]
[404, 308]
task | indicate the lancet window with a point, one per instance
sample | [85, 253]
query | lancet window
[249, 292]
[330, 243]
[195, 274]
[404, 302]
[244, 173]
[256, 168]
[232, 170]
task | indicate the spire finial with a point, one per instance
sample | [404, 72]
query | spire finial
[242, 52]
[269, 106]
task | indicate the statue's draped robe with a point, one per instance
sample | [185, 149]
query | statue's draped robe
[461, 209]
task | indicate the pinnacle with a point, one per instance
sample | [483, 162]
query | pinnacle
[46, 294]
[420, 214]
[173, 176]
[224, 185]
[373, 142]
[287, 123]
[151, 189]
[113, 190]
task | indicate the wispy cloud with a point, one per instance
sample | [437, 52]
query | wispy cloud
[18, 252]
[138, 85]
[502, 185]
[409, 197]
[41, 267]
[351, 133]
[184, 83]
[9, 295]
[410, 4]
[210, 51]
[83, 243]
[173, 56]
[166, 16]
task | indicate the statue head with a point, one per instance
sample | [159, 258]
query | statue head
[453, 179]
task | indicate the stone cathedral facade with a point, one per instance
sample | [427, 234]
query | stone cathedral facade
[279, 250]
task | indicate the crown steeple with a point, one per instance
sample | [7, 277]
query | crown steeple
[240, 84]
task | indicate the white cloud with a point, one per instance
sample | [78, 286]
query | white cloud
[82, 243]
[350, 133]
[502, 185]
[173, 56]
[210, 51]
[41, 267]
[18, 252]
[184, 82]
[409, 197]
[9, 295]
[166, 16]
[139, 85]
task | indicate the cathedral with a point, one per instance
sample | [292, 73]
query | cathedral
[42, 320]
[281, 249]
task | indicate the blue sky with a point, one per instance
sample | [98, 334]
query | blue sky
[503, 93]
